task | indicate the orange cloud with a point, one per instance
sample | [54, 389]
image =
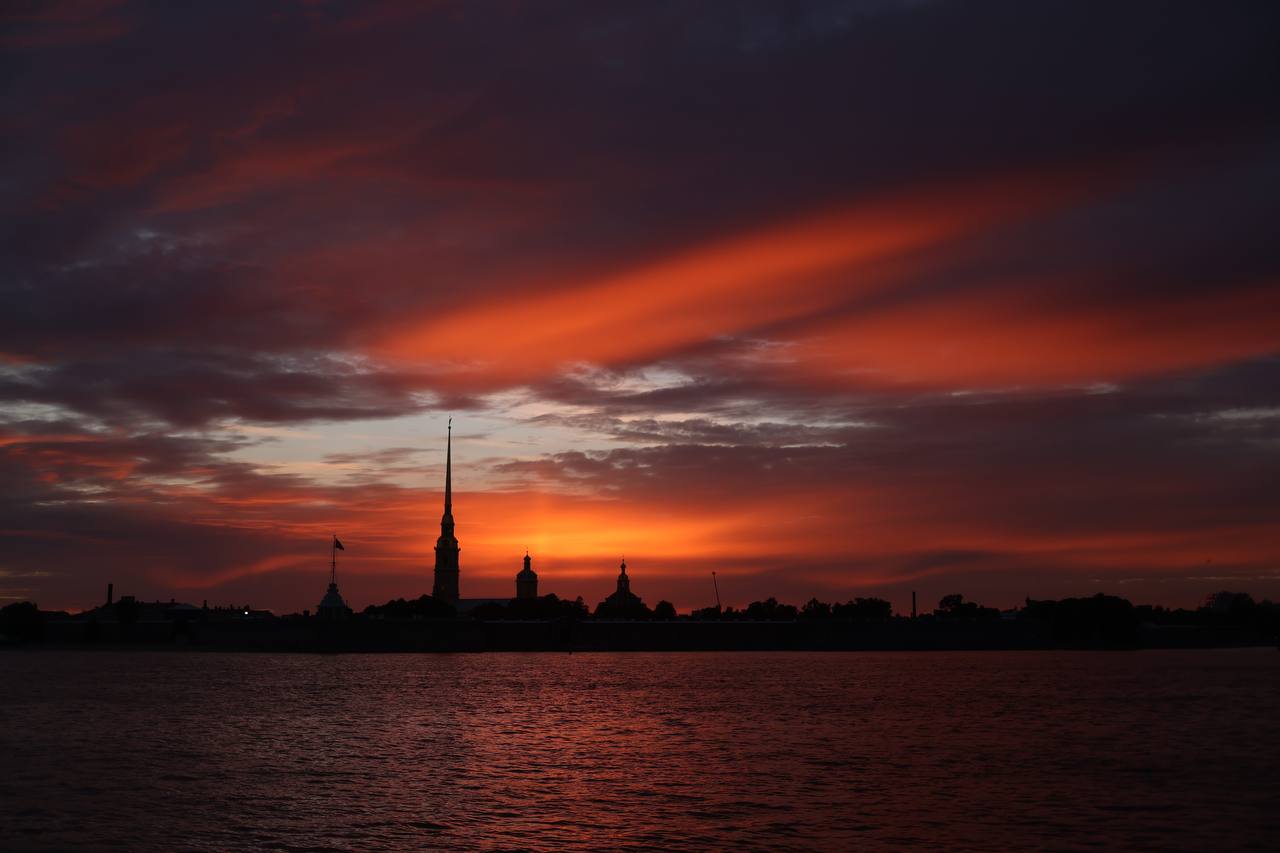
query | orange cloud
[824, 534]
[728, 287]
[797, 282]
[266, 539]
[1011, 338]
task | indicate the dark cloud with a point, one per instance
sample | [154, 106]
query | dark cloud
[194, 388]
[1185, 453]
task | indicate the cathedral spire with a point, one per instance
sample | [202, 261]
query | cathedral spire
[448, 471]
[445, 586]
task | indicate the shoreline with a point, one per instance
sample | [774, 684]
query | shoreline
[313, 635]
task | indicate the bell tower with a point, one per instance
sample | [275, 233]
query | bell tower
[624, 582]
[527, 580]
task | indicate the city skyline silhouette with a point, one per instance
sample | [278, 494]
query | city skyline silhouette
[1099, 621]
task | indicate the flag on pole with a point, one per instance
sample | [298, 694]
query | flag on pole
[338, 544]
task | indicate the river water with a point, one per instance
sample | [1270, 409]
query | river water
[768, 751]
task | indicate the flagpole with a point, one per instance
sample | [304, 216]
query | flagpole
[333, 559]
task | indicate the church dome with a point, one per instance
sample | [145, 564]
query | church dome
[527, 573]
[332, 600]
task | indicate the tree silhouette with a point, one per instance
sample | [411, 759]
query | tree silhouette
[423, 607]
[21, 621]
[770, 610]
[955, 607]
[864, 610]
[1100, 621]
[815, 609]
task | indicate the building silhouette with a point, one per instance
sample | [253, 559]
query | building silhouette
[623, 591]
[331, 606]
[445, 586]
[527, 580]
[622, 603]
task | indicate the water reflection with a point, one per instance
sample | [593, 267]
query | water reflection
[683, 751]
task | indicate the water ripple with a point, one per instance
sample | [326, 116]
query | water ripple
[759, 751]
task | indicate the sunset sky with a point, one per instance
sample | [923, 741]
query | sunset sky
[834, 299]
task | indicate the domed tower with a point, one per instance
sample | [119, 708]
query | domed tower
[332, 606]
[527, 580]
[624, 582]
[445, 587]
[622, 603]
